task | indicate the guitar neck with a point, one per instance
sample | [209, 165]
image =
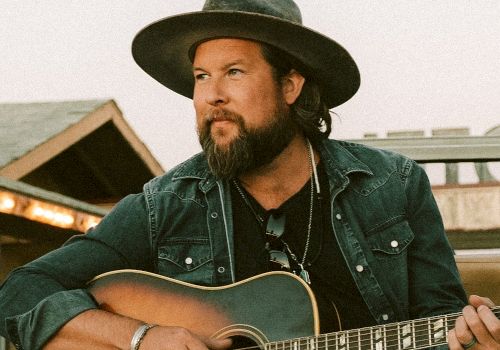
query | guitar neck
[414, 334]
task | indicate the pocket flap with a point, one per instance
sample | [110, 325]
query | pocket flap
[187, 255]
[393, 239]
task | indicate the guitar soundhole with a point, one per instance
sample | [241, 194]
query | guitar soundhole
[241, 342]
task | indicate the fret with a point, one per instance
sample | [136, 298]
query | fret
[438, 332]
[377, 342]
[384, 336]
[391, 336]
[328, 345]
[371, 338]
[366, 340]
[313, 345]
[421, 334]
[429, 331]
[446, 328]
[406, 335]
[359, 339]
[325, 341]
[353, 342]
[398, 329]
[414, 340]
[304, 344]
[342, 341]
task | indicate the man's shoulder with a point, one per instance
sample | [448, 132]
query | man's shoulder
[194, 168]
[346, 152]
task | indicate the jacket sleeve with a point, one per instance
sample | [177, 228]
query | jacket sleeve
[434, 282]
[37, 299]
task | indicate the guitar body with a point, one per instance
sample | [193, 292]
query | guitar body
[269, 307]
[275, 311]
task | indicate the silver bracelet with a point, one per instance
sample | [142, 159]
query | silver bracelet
[139, 335]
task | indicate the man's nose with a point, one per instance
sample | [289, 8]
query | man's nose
[216, 93]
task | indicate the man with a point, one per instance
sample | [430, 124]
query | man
[359, 225]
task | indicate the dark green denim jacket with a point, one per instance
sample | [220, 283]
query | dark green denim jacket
[383, 213]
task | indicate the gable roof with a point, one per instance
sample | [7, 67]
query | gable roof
[25, 126]
[81, 149]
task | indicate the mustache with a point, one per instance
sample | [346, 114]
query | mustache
[221, 114]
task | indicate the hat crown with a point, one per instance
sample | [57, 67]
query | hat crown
[284, 9]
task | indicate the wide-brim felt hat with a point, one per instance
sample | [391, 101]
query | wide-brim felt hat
[162, 48]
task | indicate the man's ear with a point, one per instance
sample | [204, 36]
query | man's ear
[292, 84]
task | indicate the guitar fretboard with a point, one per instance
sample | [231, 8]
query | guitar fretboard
[407, 335]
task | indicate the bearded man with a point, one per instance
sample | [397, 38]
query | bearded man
[270, 191]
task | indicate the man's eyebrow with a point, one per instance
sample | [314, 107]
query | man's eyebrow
[224, 67]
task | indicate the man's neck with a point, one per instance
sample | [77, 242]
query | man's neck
[272, 184]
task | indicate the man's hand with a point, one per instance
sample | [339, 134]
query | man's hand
[477, 329]
[102, 330]
[176, 338]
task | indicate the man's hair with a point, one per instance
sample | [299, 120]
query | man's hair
[309, 111]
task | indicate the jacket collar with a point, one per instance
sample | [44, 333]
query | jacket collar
[338, 162]
[196, 168]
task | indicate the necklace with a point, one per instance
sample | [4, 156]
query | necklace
[303, 273]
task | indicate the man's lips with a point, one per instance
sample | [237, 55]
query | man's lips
[222, 121]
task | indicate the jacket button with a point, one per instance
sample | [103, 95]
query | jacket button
[188, 261]
[338, 216]
[394, 244]
[359, 268]
[385, 317]
[221, 269]
[214, 215]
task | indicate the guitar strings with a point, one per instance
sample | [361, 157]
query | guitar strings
[365, 336]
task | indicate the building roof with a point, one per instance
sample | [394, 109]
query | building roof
[21, 188]
[24, 126]
[81, 149]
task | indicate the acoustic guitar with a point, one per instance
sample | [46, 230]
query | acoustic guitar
[272, 311]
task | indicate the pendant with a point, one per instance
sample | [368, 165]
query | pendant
[304, 274]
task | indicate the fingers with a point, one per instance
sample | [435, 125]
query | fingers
[476, 328]
[463, 333]
[491, 322]
[476, 301]
[453, 342]
[483, 320]
[217, 344]
[178, 338]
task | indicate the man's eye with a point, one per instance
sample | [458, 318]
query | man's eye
[234, 72]
[201, 76]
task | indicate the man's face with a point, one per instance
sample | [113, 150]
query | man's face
[242, 117]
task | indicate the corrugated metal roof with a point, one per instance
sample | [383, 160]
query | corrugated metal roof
[24, 126]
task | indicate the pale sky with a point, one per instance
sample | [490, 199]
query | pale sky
[424, 64]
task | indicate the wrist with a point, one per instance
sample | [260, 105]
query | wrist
[139, 335]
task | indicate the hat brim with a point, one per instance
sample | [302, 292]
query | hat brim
[162, 49]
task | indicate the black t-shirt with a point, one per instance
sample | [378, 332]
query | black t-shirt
[331, 280]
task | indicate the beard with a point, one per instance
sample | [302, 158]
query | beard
[251, 148]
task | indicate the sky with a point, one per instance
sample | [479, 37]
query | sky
[424, 64]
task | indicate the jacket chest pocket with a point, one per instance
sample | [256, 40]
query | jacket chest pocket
[391, 241]
[389, 246]
[187, 260]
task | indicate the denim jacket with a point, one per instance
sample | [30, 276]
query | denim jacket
[383, 214]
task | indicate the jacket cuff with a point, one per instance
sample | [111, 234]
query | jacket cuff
[34, 328]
